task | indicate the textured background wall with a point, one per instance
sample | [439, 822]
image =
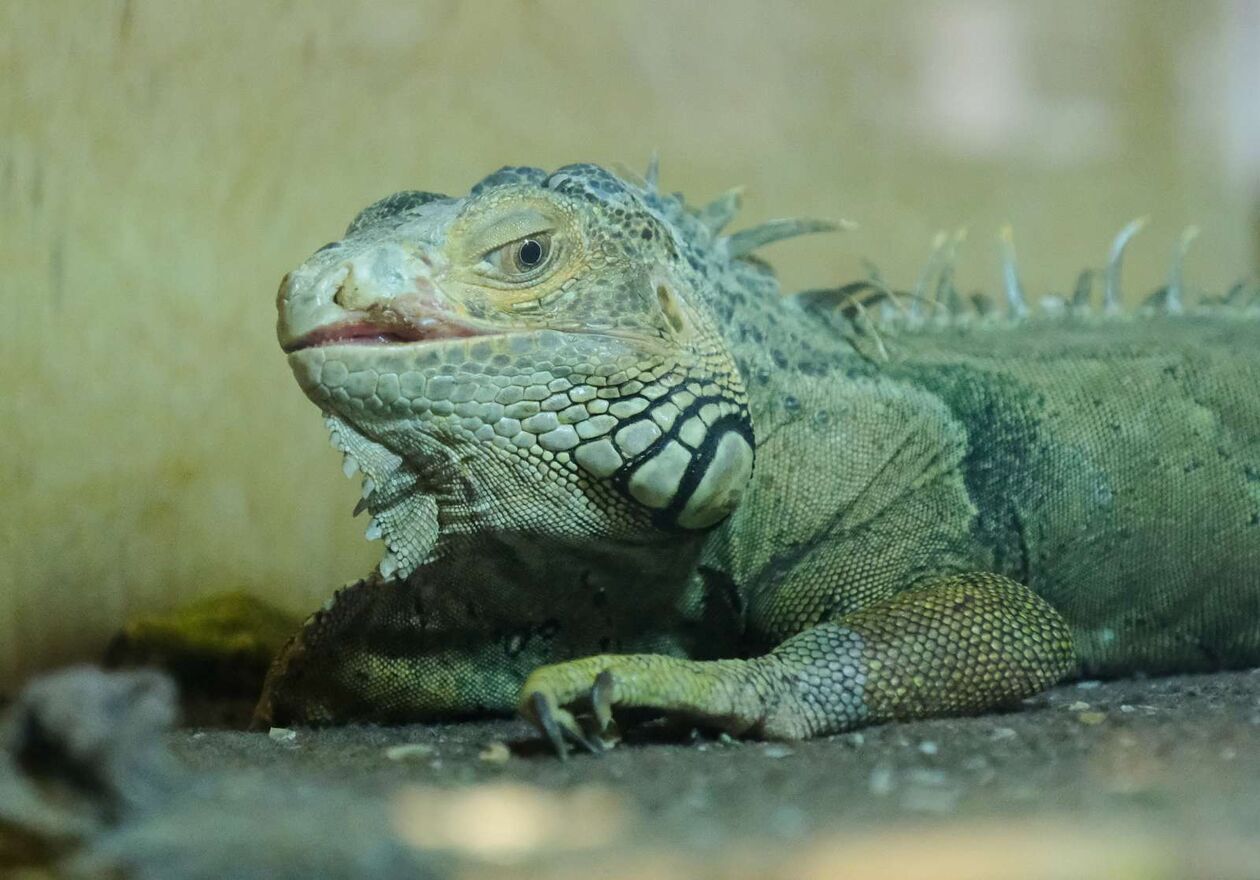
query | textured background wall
[163, 164]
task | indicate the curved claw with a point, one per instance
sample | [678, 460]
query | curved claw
[601, 700]
[546, 720]
[560, 727]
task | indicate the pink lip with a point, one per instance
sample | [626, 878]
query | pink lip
[385, 333]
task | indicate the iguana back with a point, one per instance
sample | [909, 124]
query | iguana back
[1115, 467]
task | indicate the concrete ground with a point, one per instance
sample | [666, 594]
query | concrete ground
[1134, 779]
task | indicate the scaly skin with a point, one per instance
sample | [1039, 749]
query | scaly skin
[556, 388]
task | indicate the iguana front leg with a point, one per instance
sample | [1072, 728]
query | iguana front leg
[954, 645]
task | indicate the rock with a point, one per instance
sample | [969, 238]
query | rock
[409, 752]
[495, 753]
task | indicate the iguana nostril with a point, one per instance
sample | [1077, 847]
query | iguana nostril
[341, 296]
[351, 292]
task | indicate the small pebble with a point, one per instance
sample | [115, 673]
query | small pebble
[408, 752]
[776, 750]
[1079, 706]
[1126, 708]
[1088, 685]
[1092, 718]
[726, 739]
[495, 753]
[1000, 733]
[928, 747]
[282, 735]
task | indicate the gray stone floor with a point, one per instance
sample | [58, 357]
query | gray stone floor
[1157, 778]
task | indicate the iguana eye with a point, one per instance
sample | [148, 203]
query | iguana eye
[523, 259]
[529, 254]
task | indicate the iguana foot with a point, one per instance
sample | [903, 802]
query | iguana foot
[596, 732]
[574, 702]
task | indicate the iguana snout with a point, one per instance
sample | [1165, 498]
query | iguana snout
[386, 293]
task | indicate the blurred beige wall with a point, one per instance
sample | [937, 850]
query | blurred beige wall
[162, 164]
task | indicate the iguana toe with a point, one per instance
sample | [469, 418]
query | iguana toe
[601, 701]
[558, 725]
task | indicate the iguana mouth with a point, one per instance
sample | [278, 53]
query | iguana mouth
[382, 333]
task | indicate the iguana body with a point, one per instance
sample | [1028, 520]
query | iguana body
[557, 387]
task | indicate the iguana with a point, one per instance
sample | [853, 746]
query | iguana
[614, 469]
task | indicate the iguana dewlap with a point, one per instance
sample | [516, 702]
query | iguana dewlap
[614, 467]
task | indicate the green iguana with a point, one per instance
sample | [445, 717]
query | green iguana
[614, 468]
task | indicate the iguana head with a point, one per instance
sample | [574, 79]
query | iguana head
[539, 357]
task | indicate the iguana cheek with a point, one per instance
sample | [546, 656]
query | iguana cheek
[686, 459]
[656, 482]
[722, 485]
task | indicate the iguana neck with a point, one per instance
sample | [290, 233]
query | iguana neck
[773, 338]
